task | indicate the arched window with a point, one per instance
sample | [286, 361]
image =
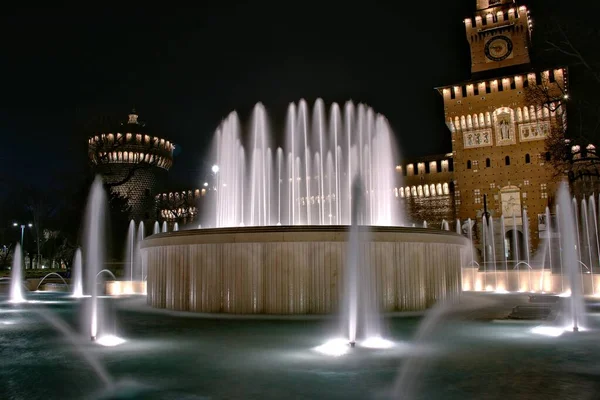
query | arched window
[507, 160]
[488, 163]
[527, 159]
[469, 164]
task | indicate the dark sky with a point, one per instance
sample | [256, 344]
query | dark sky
[185, 69]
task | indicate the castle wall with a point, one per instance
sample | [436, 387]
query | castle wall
[140, 189]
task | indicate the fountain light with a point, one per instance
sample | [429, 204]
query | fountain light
[501, 290]
[377, 342]
[552, 331]
[334, 347]
[215, 168]
[109, 340]
[205, 184]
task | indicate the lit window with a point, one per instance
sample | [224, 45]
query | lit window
[492, 185]
[477, 196]
[524, 195]
[526, 182]
[543, 188]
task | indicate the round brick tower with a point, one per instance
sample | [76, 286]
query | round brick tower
[133, 164]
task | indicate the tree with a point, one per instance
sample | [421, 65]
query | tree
[6, 255]
[572, 41]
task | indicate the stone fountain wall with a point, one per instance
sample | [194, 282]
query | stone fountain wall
[296, 270]
[524, 280]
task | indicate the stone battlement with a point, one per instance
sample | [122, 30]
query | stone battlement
[516, 82]
[496, 18]
[130, 148]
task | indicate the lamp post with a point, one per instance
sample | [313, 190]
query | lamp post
[16, 224]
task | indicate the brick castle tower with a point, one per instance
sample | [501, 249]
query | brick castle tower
[498, 134]
[133, 164]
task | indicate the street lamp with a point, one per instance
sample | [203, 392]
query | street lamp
[29, 225]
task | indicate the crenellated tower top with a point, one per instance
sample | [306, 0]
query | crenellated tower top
[130, 145]
[499, 35]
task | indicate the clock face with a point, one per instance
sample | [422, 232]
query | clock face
[498, 48]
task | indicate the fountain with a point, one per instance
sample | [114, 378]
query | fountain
[138, 264]
[16, 282]
[308, 180]
[130, 251]
[288, 208]
[54, 274]
[164, 227]
[575, 315]
[360, 302]
[77, 275]
[175, 227]
[156, 228]
[94, 252]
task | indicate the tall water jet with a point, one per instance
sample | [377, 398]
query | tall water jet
[594, 223]
[130, 252]
[156, 228]
[94, 251]
[308, 180]
[138, 262]
[77, 276]
[362, 314]
[526, 245]
[492, 244]
[570, 260]
[504, 255]
[16, 277]
[175, 227]
[164, 226]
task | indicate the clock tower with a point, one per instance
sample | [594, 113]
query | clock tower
[498, 132]
[499, 36]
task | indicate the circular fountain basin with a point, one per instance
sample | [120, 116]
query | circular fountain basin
[297, 269]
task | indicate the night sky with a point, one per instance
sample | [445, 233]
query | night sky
[186, 69]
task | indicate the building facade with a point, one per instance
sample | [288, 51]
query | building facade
[425, 190]
[501, 166]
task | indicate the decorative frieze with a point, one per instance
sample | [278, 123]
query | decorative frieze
[534, 131]
[477, 138]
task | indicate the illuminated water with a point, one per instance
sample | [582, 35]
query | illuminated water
[131, 252]
[94, 250]
[184, 356]
[77, 276]
[360, 312]
[16, 276]
[307, 180]
[575, 313]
